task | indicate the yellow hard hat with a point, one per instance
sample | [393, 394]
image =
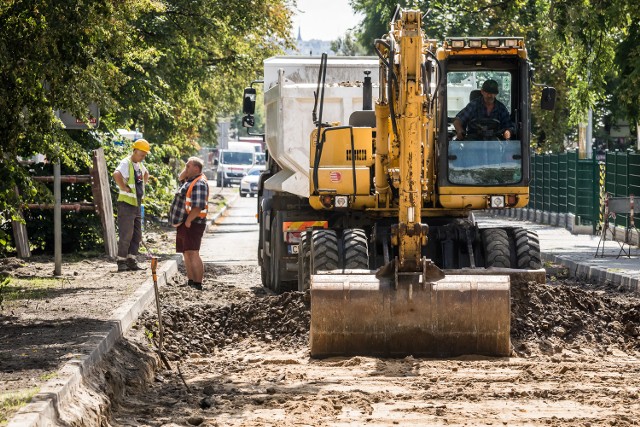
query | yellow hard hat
[142, 145]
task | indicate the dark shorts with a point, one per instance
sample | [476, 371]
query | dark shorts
[189, 239]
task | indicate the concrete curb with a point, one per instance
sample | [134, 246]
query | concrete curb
[583, 270]
[217, 215]
[44, 407]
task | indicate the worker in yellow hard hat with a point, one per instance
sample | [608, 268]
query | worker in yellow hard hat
[131, 177]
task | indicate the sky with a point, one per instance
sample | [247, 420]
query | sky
[324, 19]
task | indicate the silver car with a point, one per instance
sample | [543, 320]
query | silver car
[249, 183]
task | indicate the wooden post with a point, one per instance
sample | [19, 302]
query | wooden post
[57, 220]
[20, 236]
[102, 200]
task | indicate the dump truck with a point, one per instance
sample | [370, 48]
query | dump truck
[369, 207]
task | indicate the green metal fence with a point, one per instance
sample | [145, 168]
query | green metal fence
[564, 183]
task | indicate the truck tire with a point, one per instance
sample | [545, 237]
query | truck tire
[496, 248]
[356, 254]
[527, 249]
[304, 262]
[324, 251]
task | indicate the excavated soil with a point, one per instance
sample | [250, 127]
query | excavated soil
[235, 354]
[238, 356]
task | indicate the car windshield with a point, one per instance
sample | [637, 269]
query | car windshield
[237, 158]
[254, 172]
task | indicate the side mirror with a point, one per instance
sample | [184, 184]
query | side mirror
[249, 101]
[248, 121]
[548, 99]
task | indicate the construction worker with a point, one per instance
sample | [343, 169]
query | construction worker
[485, 106]
[189, 214]
[131, 177]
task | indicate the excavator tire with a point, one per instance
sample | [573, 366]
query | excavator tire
[356, 254]
[324, 251]
[304, 262]
[496, 248]
[527, 249]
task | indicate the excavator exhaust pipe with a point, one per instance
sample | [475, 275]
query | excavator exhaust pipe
[360, 314]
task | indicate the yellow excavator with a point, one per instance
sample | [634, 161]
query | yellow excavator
[395, 263]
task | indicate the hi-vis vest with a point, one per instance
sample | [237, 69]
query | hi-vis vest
[129, 198]
[187, 205]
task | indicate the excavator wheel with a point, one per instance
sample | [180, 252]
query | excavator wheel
[304, 261]
[356, 254]
[527, 249]
[497, 251]
[324, 251]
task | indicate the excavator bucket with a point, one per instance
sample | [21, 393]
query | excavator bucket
[360, 314]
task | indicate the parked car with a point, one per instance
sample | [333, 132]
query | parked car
[249, 183]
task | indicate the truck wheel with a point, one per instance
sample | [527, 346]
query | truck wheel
[324, 251]
[527, 249]
[219, 180]
[356, 254]
[496, 248]
[304, 262]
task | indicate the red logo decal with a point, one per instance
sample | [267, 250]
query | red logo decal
[335, 176]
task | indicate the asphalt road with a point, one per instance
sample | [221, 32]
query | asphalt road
[233, 239]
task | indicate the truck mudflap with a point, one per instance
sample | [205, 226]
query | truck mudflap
[355, 313]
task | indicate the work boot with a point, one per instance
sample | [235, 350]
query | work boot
[133, 265]
[194, 285]
[122, 266]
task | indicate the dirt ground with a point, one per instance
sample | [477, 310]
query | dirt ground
[238, 356]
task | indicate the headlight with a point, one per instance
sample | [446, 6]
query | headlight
[475, 43]
[493, 43]
[511, 42]
[341, 202]
[497, 201]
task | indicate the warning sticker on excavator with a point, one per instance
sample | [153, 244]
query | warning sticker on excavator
[335, 176]
[292, 226]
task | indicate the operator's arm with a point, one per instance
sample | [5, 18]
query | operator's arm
[457, 123]
[461, 120]
[505, 120]
[119, 179]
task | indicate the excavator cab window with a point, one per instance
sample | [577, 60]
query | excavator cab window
[484, 157]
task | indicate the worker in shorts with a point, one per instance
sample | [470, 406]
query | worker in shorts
[189, 214]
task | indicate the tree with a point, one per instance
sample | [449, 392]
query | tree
[347, 45]
[168, 67]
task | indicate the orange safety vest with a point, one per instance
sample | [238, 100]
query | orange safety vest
[187, 206]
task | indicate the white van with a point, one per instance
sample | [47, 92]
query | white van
[233, 163]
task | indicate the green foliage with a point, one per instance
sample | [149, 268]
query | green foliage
[347, 45]
[167, 67]
[589, 51]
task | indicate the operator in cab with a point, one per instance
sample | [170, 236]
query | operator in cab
[484, 112]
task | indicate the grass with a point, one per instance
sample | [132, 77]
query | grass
[15, 289]
[11, 402]
[48, 376]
